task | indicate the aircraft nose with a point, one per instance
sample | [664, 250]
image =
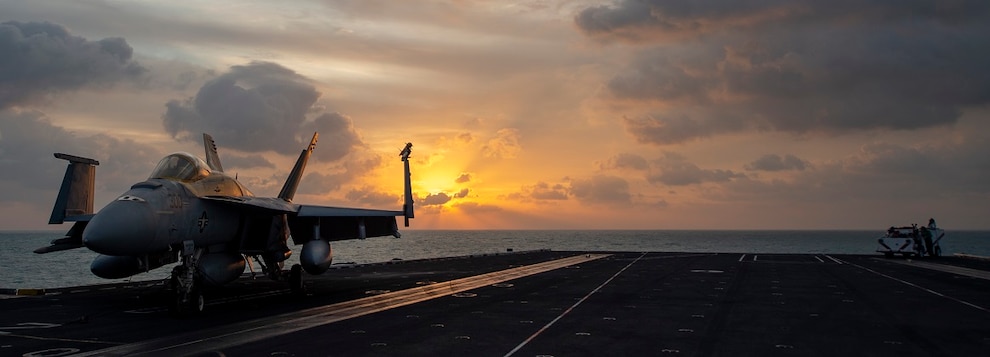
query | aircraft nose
[121, 228]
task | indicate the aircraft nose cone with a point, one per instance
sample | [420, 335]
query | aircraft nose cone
[121, 228]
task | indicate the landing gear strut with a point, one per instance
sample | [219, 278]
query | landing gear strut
[187, 286]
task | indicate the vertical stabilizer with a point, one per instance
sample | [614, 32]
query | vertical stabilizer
[212, 158]
[75, 197]
[291, 183]
[407, 207]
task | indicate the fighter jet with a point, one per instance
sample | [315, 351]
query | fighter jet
[190, 211]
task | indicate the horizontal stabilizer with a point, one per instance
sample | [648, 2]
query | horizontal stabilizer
[72, 240]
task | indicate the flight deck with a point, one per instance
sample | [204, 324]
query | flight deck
[539, 303]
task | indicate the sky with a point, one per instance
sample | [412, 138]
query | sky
[541, 114]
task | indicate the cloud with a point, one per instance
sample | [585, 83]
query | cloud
[624, 161]
[601, 189]
[337, 136]
[463, 178]
[41, 59]
[809, 67]
[462, 193]
[28, 139]
[438, 199]
[774, 162]
[245, 161]
[674, 170]
[541, 191]
[466, 138]
[475, 207]
[545, 191]
[369, 196]
[258, 107]
[504, 145]
[322, 180]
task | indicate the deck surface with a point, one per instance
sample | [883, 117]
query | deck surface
[620, 304]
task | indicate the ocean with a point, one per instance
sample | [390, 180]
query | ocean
[21, 268]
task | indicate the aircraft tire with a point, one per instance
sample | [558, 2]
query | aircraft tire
[296, 280]
[194, 305]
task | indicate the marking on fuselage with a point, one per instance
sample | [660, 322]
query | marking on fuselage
[202, 222]
[247, 331]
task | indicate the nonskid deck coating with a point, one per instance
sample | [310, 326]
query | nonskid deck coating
[679, 304]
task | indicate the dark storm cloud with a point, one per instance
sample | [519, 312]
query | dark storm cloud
[674, 170]
[809, 66]
[258, 107]
[39, 59]
[774, 162]
[28, 139]
[601, 189]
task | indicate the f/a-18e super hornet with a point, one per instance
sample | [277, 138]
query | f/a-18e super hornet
[189, 210]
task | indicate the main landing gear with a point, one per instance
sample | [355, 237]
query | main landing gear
[296, 280]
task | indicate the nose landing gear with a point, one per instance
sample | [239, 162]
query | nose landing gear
[186, 286]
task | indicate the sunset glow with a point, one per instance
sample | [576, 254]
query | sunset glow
[523, 114]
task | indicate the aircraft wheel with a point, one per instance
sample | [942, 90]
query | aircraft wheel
[192, 304]
[888, 255]
[296, 280]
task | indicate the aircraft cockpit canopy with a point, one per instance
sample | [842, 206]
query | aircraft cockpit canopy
[181, 166]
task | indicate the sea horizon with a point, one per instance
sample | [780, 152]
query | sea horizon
[24, 269]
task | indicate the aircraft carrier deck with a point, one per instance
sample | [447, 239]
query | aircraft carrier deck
[544, 303]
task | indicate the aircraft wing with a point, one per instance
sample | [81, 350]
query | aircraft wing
[325, 211]
[271, 204]
[308, 222]
[342, 223]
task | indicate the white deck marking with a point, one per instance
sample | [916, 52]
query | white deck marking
[742, 257]
[819, 259]
[973, 273]
[545, 327]
[248, 331]
[833, 259]
[933, 292]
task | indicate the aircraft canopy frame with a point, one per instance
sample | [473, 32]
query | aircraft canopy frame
[181, 166]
